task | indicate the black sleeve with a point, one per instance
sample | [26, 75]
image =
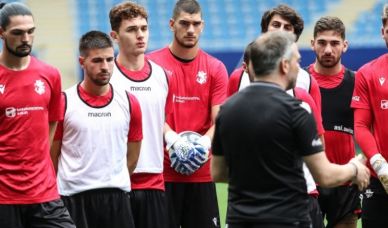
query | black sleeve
[216, 144]
[305, 131]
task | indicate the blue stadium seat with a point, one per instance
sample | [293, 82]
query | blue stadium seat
[230, 24]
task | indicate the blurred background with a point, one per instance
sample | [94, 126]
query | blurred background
[229, 26]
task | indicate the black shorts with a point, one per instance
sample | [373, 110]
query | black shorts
[149, 208]
[192, 205]
[49, 215]
[315, 213]
[338, 202]
[374, 205]
[100, 208]
[270, 225]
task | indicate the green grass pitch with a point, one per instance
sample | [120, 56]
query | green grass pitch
[222, 196]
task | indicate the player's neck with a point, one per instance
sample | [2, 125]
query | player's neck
[95, 90]
[132, 62]
[13, 62]
[327, 70]
[183, 52]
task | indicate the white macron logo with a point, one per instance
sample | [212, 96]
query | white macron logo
[381, 80]
[201, 77]
[2, 88]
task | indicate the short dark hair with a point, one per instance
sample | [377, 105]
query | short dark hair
[329, 23]
[287, 13]
[94, 40]
[188, 6]
[124, 11]
[268, 50]
[247, 53]
[8, 10]
[384, 17]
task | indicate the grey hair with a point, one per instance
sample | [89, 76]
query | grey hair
[269, 49]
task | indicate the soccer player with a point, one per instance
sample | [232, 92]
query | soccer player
[198, 87]
[283, 18]
[148, 82]
[97, 145]
[341, 205]
[261, 137]
[370, 119]
[30, 92]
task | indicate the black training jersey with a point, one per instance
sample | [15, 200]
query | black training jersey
[263, 134]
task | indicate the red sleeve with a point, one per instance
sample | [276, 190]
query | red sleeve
[360, 97]
[62, 108]
[362, 132]
[55, 99]
[219, 84]
[234, 81]
[304, 96]
[315, 93]
[135, 128]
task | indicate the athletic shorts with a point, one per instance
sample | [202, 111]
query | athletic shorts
[338, 202]
[270, 225]
[100, 208]
[49, 215]
[192, 205]
[315, 213]
[374, 205]
[149, 208]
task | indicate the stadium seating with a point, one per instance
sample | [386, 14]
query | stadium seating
[230, 24]
[366, 29]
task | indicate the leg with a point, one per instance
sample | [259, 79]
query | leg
[112, 209]
[315, 213]
[201, 207]
[149, 208]
[175, 193]
[374, 205]
[11, 216]
[52, 214]
[342, 206]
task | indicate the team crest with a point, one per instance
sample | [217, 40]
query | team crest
[2, 88]
[201, 77]
[39, 87]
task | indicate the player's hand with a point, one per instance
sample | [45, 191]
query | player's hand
[181, 154]
[202, 147]
[380, 166]
[170, 138]
[361, 172]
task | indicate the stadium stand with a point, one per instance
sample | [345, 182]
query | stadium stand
[230, 24]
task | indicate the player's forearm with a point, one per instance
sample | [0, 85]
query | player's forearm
[362, 132]
[55, 151]
[327, 174]
[133, 152]
[52, 128]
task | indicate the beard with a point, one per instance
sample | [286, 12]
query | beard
[328, 64]
[183, 44]
[19, 53]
